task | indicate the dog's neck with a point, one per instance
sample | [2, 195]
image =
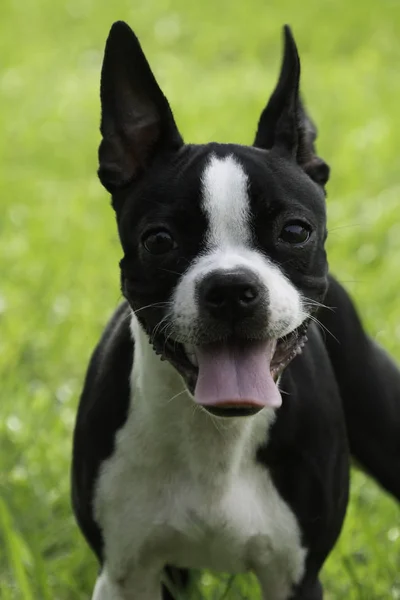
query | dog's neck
[176, 427]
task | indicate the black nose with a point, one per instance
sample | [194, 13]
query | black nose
[230, 295]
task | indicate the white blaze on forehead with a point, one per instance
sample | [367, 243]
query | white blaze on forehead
[226, 202]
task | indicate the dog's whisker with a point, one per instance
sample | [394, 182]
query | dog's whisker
[154, 305]
[214, 420]
[184, 391]
[218, 424]
[215, 423]
[170, 271]
[160, 326]
[348, 226]
[310, 302]
[195, 409]
[284, 392]
[323, 327]
[167, 331]
[128, 316]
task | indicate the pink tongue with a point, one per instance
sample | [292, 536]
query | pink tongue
[236, 376]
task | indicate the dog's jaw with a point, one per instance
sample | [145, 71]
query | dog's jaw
[185, 360]
[164, 381]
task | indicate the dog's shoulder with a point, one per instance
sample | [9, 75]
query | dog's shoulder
[102, 411]
[108, 373]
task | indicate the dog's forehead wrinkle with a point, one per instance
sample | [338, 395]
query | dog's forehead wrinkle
[226, 201]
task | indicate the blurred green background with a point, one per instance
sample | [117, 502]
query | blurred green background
[217, 61]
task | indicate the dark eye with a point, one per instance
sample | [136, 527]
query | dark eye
[158, 242]
[295, 233]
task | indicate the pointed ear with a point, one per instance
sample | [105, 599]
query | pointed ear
[136, 120]
[284, 124]
[313, 165]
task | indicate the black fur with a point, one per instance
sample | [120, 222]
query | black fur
[342, 390]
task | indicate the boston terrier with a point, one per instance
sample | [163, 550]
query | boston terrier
[227, 392]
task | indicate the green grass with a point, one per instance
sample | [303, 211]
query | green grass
[217, 62]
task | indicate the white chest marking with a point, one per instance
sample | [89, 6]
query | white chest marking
[184, 489]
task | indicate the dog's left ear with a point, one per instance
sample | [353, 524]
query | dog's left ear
[284, 124]
[136, 121]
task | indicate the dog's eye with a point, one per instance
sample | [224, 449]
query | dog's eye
[158, 242]
[295, 233]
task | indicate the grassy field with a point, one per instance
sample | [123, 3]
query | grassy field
[217, 61]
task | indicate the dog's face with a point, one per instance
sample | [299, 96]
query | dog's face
[224, 258]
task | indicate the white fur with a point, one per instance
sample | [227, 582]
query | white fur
[225, 202]
[229, 246]
[184, 488]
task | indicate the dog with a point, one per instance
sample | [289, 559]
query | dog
[216, 422]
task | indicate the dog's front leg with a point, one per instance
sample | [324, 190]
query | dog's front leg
[138, 584]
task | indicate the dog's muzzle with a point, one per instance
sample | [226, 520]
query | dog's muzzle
[232, 367]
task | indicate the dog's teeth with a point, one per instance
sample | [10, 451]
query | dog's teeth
[191, 355]
[193, 359]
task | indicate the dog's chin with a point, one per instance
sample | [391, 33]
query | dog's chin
[184, 358]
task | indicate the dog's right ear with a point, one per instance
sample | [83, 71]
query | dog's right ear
[136, 120]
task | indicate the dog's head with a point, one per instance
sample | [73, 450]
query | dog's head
[223, 244]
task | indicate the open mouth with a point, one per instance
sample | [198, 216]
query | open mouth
[236, 377]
